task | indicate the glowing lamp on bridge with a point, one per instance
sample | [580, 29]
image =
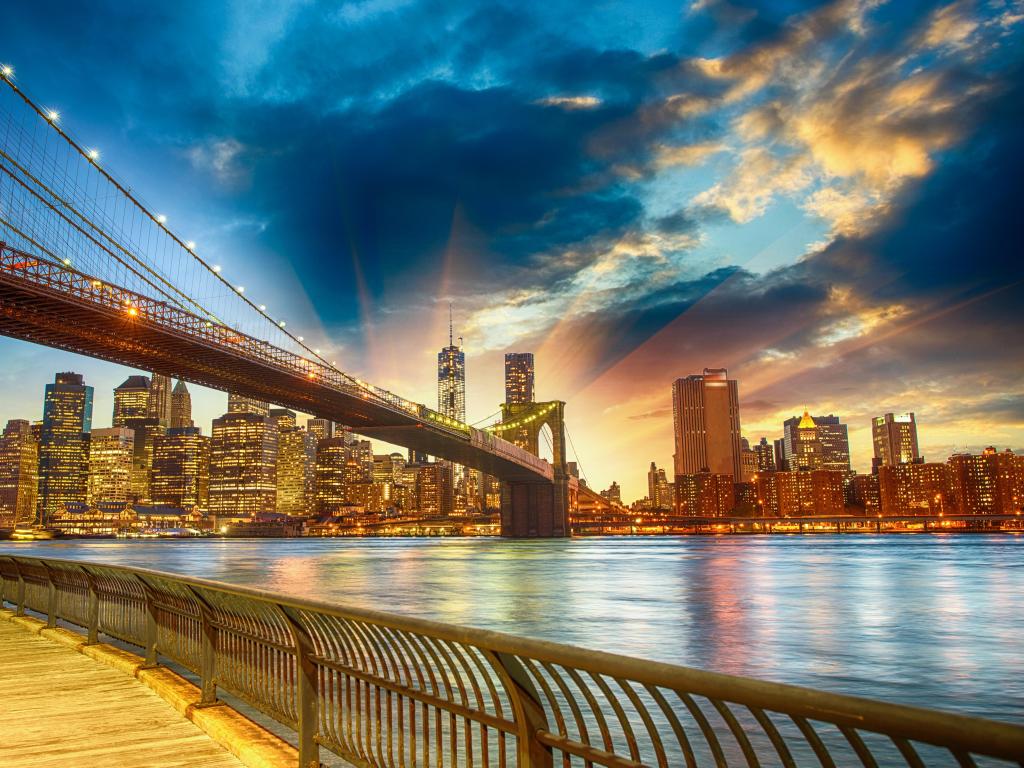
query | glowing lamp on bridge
[191, 245]
[300, 338]
[67, 262]
[263, 307]
[161, 218]
[216, 267]
[133, 311]
[281, 323]
[94, 154]
[240, 289]
[53, 115]
[311, 375]
[7, 70]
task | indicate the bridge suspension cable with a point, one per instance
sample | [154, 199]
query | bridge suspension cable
[58, 201]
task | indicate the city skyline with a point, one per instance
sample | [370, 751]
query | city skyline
[766, 222]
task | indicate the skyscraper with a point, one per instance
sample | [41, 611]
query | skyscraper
[181, 469]
[296, 465]
[181, 406]
[131, 401]
[658, 488]
[765, 456]
[110, 465]
[895, 438]
[132, 409]
[451, 379]
[519, 377]
[332, 455]
[802, 446]
[19, 473]
[64, 443]
[706, 415]
[160, 399]
[835, 443]
[243, 465]
[321, 429]
[242, 404]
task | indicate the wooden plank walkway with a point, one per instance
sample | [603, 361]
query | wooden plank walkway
[60, 708]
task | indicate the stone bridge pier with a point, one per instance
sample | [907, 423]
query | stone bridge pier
[536, 510]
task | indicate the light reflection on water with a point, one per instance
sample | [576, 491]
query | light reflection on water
[926, 619]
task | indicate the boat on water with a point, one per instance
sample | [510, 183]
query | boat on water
[29, 532]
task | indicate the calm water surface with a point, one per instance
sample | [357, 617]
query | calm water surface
[925, 619]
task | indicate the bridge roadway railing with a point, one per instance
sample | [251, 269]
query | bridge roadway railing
[54, 274]
[385, 690]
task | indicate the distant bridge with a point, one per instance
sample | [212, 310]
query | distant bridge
[86, 267]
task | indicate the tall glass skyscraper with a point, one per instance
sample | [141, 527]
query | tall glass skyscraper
[451, 379]
[64, 444]
[519, 376]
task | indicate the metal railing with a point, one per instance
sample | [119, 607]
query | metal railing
[385, 690]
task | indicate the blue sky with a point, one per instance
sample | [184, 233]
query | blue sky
[818, 196]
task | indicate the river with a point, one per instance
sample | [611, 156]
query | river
[932, 620]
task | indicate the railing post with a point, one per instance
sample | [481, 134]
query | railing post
[528, 712]
[306, 692]
[208, 654]
[20, 611]
[151, 635]
[52, 599]
[94, 610]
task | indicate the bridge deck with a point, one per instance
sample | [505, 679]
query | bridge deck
[60, 708]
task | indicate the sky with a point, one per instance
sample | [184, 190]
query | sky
[819, 197]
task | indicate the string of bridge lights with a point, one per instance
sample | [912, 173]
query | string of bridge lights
[504, 426]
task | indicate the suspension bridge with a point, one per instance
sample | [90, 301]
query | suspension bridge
[86, 266]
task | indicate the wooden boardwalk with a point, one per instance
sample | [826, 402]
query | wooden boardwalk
[61, 708]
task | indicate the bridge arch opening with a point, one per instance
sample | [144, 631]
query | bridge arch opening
[545, 444]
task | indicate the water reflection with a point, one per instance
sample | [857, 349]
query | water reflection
[933, 620]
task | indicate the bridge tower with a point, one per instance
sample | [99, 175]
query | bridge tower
[536, 509]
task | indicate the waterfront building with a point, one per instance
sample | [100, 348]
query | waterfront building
[181, 406]
[765, 452]
[705, 494]
[332, 455]
[243, 465]
[433, 490]
[990, 483]
[519, 378]
[146, 431]
[160, 399]
[296, 469]
[658, 488]
[613, 493]
[798, 493]
[64, 443]
[131, 401]
[19, 473]
[241, 404]
[864, 493]
[834, 438]
[111, 451]
[894, 436]
[915, 489]
[181, 469]
[748, 461]
[706, 416]
[780, 454]
[321, 429]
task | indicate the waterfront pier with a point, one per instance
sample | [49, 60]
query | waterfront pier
[379, 689]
